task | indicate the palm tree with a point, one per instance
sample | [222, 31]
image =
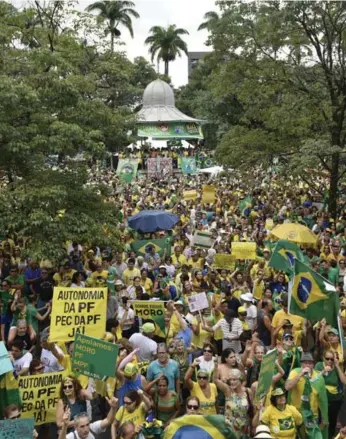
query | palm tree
[115, 12]
[166, 44]
[210, 18]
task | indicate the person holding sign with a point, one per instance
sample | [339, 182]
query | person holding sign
[83, 428]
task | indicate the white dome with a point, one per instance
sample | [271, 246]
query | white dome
[158, 93]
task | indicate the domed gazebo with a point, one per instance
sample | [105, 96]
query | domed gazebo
[160, 119]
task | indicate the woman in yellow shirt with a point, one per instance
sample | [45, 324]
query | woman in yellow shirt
[205, 391]
[282, 418]
[146, 282]
[136, 406]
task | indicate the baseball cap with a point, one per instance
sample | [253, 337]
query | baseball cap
[242, 310]
[262, 429]
[130, 370]
[263, 435]
[278, 392]
[287, 334]
[148, 327]
[333, 331]
[247, 297]
[118, 282]
[306, 356]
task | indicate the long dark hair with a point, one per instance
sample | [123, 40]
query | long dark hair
[133, 395]
[225, 354]
[76, 385]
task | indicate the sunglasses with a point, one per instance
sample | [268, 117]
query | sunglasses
[329, 358]
[68, 387]
[202, 377]
[207, 350]
[15, 417]
[128, 402]
[192, 407]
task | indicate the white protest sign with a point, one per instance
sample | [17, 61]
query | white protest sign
[198, 302]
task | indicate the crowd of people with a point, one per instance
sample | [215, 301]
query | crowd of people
[208, 362]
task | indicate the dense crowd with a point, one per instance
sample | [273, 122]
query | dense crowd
[209, 362]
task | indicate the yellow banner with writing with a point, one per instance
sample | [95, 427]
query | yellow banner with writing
[80, 310]
[151, 311]
[224, 261]
[40, 395]
[208, 193]
[244, 250]
[189, 195]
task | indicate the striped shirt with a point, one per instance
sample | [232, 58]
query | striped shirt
[230, 330]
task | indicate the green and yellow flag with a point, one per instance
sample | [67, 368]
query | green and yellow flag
[312, 296]
[127, 169]
[141, 247]
[245, 206]
[188, 165]
[283, 256]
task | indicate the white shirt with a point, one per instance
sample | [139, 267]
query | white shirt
[50, 362]
[96, 427]
[209, 366]
[130, 315]
[147, 347]
[230, 330]
[22, 362]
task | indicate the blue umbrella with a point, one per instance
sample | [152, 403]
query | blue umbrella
[149, 221]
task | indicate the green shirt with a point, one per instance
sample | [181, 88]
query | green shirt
[6, 297]
[18, 280]
[32, 312]
[332, 382]
[19, 315]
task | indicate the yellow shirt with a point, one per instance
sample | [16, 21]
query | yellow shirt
[258, 289]
[64, 279]
[179, 260]
[218, 334]
[297, 391]
[103, 274]
[147, 285]
[129, 275]
[281, 315]
[198, 340]
[195, 264]
[207, 405]
[282, 423]
[137, 417]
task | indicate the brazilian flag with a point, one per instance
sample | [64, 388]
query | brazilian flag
[283, 256]
[127, 169]
[188, 165]
[199, 427]
[142, 247]
[245, 206]
[9, 392]
[312, 296]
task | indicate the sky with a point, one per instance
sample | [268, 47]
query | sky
[187, 14]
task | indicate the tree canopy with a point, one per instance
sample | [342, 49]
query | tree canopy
[60, 96]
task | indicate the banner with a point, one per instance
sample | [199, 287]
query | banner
[203, 240]
[5, 362]
[166, 130]
[208, 194]
[152, 311]
[265, 375]
[188, 165]
[197, 302]
[160, 167]
[244, 250]
[94, 358]
[78, 310]
[127, 169]
[199, 427]
[17, 428]
[190, 195]
[224, 261]
[40, 395]
[160, 244]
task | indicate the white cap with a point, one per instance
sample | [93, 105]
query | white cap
[247, 297]
[263, 436]
[262, 429]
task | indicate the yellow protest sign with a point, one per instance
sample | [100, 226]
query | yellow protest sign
[40, 396]
[80, 310]
[189, 195]
[153, 311]
[244, 250]
[208, 194]
[224, 261]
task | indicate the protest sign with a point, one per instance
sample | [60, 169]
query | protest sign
[40, 395]
[266, 375]
[244, 250]
[224, 261]
[17, 428]
[190, 195]
[94, 358]
[153, 311]
[197, 302]
[78, 310]
[5, 362]
[208, 193]
[202, 240]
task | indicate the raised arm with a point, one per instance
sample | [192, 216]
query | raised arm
[188, 375]
[65, 423]
[113, 403]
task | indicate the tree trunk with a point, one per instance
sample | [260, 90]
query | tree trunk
[166, 67]
[112, 42]
[333, 186]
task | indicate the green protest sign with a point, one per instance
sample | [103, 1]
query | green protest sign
[93, 357]
[266, 375]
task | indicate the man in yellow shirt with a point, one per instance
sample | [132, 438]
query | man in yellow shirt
[130, 273]
[282, 315]
[99, 276]
[178, 259]
[298, 381]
